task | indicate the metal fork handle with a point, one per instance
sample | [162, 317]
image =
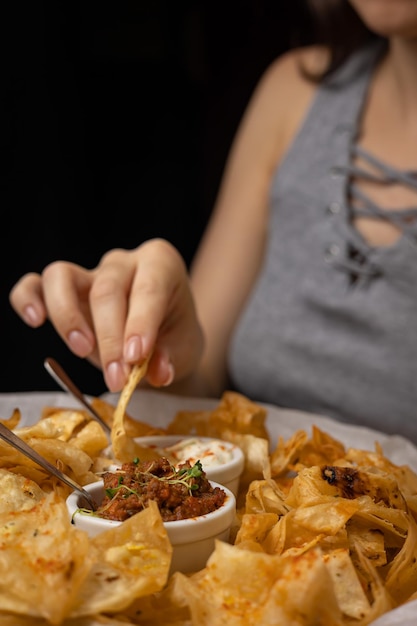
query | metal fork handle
[64, 381]
[16, 442]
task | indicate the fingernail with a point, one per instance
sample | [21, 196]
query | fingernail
[115, 376]
[133, 349]
[146, 345]
[31, 317]
[170, 374]
[79, 343]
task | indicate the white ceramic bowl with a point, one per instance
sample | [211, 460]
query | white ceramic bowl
[192, 539]
[227, 473]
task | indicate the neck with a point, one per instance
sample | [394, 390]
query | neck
[400, 72]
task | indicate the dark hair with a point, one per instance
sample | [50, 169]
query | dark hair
[336, 25]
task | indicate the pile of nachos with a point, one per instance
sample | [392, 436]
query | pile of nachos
[324, 535]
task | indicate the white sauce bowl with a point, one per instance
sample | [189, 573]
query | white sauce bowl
[192, 539]
[226, 473]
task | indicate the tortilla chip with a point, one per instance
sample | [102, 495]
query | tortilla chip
[13, 421]
[235, 412]
[91, 439]
[220, 595]
[60, 424]
[125, 448]
[133, 427]
[18, 493]
[128, 561]
[43, 560]
[350, 595]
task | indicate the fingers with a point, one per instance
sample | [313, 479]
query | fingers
[161, 370]
[162, 315]
[132, 301]
[135, 304]
[66, 289]
[140, 287]
[61, 295]
[109, 303]
[159, 273]
[26, 298]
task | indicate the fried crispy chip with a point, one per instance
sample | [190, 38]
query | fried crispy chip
[190, 423]
[43, 560]
[380, 600]
[300, 451]
[18, 493]
[125, 448]
[265, 496]
[13, 421]
[6, 619]
[402, 572]
[133, 427]
[91, 439]
[350, 595]
[234, 413]
[129, 561]
[323, 534]
[60, 424]
[327, 517]
[34, 472]
[11, 457]
[238, 420]
[369, 542]
[254, 528]
[68, 458]
[51, 570]
[283, 456]
[221, 595]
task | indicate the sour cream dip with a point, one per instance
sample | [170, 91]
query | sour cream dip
[210, 452]
[223, 461]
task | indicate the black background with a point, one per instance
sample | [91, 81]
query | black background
[116, 119]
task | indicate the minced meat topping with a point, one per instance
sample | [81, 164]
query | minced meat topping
[180, 493]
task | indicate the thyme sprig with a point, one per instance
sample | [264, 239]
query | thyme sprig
[183, 476]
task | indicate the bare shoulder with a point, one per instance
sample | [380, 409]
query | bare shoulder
[289, 66]
[285, 90]
[288, 75]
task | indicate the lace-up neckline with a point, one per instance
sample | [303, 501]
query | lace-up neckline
[388, 175]
[357, 262]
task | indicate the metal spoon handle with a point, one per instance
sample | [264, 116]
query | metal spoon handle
[16, 442]
[64, 381]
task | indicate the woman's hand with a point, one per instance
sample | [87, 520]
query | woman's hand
[133, 304]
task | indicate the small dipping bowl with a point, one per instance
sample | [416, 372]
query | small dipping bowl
[192, 539]
[225, 471]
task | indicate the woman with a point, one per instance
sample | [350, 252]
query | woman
[303, 292]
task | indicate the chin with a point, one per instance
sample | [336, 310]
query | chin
[388, 18]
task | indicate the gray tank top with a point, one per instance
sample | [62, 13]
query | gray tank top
[331, 324]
